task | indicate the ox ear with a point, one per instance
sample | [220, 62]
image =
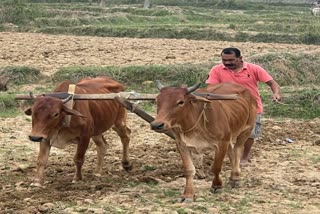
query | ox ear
[69, 111]
[28, 111]
[201, 99]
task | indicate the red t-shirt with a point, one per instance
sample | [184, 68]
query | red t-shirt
[249, 77]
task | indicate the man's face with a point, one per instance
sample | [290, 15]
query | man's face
[231, 61]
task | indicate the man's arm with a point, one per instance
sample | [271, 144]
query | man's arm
[275, 90]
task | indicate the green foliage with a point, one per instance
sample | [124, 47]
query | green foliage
[8, 105]
[289, 69]
[298, 103]
[135, 76]
[149, 168]
[20, 74]
[18, 12]
[7, 101]
[311, 38]
[200, 20]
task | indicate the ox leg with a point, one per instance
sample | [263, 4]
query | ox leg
[124, 133]
[101, 152]
[189, 172]
[220, 153]
[79, 157]
[230, 151]
[41, 163]
[236, 156]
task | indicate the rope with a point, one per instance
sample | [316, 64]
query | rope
[277, 101]
[198, 120]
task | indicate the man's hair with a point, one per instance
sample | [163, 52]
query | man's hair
[235, 51]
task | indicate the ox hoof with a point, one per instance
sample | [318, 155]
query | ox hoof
[235, 183]
[127, 166]
[186, 200]
[216, 190]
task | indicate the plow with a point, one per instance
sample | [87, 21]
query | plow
[123, 98]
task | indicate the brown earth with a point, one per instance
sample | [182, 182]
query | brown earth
[282, 178]
[51, 52]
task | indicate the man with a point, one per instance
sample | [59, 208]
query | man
[234, 69]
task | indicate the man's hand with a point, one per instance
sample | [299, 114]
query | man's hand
[276, 97]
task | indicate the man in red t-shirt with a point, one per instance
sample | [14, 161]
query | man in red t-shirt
[234, 69]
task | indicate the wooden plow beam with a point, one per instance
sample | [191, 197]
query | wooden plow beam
[123, 98]
[125, 95]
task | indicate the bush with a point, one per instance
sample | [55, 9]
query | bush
[18, 12]
[135, 76]
[20, 74]
[298, 103]
[291, 69]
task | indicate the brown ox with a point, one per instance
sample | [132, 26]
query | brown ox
[90, 118]
[198, 123]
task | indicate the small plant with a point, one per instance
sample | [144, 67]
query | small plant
[18, 12]
[20, 74]
[149, 168]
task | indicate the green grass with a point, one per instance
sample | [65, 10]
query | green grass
[298, 102]
[135, 77]
[20, 74]
[205, 20]
[296, 73]
[149, 168]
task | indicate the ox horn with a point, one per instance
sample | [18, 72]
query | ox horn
[159, 85]
[31, 95]
[193, 88]
[67, 99]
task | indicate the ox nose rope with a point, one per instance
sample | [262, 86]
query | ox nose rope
[205, 119]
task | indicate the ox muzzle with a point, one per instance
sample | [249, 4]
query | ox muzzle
[157, 126]
[35, 138]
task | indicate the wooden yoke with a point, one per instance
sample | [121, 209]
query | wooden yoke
[69, 104]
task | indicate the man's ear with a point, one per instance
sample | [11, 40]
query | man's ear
[28, 111]
[69, 111]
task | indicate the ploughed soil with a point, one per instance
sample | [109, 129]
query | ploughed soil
[51, 52]
[283, 176]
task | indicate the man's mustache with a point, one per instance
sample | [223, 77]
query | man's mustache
[229, 65]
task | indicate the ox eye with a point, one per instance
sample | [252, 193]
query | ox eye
[181, 103]
[55, 115]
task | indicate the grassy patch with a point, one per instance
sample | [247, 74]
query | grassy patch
[299, 103]
[171, 193]
[140, 78]
[202, 20]
[8, 105]
[291, 69]
[20, 74]
[149, 168]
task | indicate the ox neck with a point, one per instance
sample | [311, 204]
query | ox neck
[201, 115]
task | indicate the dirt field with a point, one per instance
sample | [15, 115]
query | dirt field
[282, 178]
[50, 52]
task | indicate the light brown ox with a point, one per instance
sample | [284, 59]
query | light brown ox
[198, 123]
[90, 119]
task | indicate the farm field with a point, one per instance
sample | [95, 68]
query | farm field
[283, 177]
[51, 52]
[284, 174]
